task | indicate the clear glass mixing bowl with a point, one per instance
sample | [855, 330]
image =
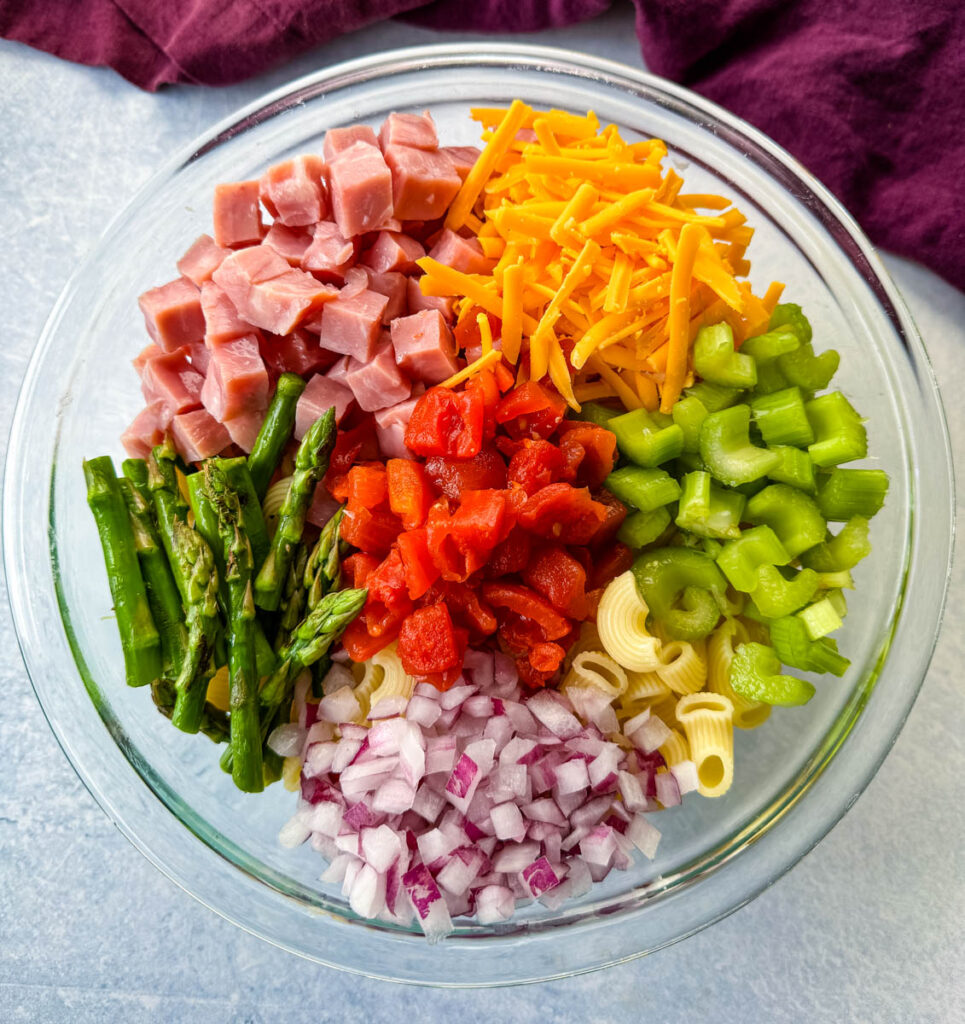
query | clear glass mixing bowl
[794, 778]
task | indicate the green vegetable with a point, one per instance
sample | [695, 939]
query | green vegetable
[726, 449]
[239, 477]
[311, 462]
[323, 570]
[713, 397]
[642, 528]
[707, 510]
[803, 369]
[292, 598]
[843, 551]
[140, 641]
[794, 647]
[135, 470]
[741, 559]
[688, 413]
[683, 588]
[214, 722]
[716, 361]
[781, 418]
[755, 675]
[276, 430]
[776, 595]
[794, 468]
[765, 348]
[594, 412]
[169, 505]
[788, 316]
[791, 514]
[642, 439]
[644, 489]
[820, 618]
[839, 433]
[844, 493]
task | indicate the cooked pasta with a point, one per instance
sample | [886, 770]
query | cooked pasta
[588, 640]
[707, 719]
[598, 671]
[676, 748]
[275, 497]
[622, 622]
[645, 686]
[384, 677]
[685, 667]
[748, 714]
[756, 631]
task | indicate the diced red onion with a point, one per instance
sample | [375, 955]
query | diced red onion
[634, 798]
[508, 782]
[440, 754]
[319, 732]
[539, 877]
[423, 711]
[461, 869]
[550, 711]
[685, 772]
[286, 740]
[367, 896]
[668, 792]
[603, 769]
[544, 810]
[387, 707]
[480, 668]
[651, 735]
[572, 777]
[519, 751]
[381, 847]
[434, 846]
[494, 903]
[427, 690]
[598, 846]
[523, 721]
[294, 832]
[394, 796]
[506, 676]
[335, 872]
[340, 706]
[345, 753]
[508, 822]
[453, 698]
[644, 836]
[326, 818]
[499, 729]
[478, 706]
[319, 759]
[349, 842]
[430, 908]
[513, 857]
[335, 678]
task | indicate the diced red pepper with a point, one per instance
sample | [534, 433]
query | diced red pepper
[610, 563]
[388, 602]
[410, 493]
[466, 332]
[530, 677]
[338, 487]
[460, 543]
[546, 658]
[511, 555]
[446, 422]
[357, 568]
[531, 410]
[589, 452]
[614, 514]
[428, 641]
[505, 378]
[563, 513]
[351, 446]
[485, 471]
[519, 634]
[560, 578]
[370, 531]
[444, 680]
[525, 602]
[536, 464]
[367, 486]
[484, 383]
[359, 644]
[420, 570]
[468, 609]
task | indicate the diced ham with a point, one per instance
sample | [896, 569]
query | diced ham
[146, 353]
[244, 429]
[351, 326]
[418, 302]
[337, 140]
[172, 314]
[202, 260]
[390, 427]
[361, 186]
[320, 394]
[418, 130]
[290, 243]
[378, 383]
[339, 370]
[393, 251]
[322, 508]
[237, 381]
[330, 254]
[253, 265]
[464, 254]
[298, 352]
[424, 183]
[221, 320]
[293, 192]
[356, 280]
[237, 218]
[198, 435]
[393, 286]
[462, 157]
[170, 378]
[424, 347]
[200, 356]
[146, 430]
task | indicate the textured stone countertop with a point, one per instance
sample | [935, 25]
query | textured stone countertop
[868, 927]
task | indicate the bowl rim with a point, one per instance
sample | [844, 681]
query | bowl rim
[437, 56]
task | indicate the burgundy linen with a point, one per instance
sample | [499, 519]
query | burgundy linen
[865, 93]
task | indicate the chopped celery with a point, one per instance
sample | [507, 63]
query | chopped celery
[838, 602]
[789, 316]
[791, 514]
[820, 618]
[595, 412]
[770, 379]
[835, 580]
[781, 418]
[843, 551]
[688, 414]
[839, 433]
[767, 347]
[755, 673]
[643, 441]
[708, 510]
[775, 596]
[689, 462]
[808, 371]
[644, 489]
[683, 589]
[794, 647]
[844, 493]
[794, 468]
[716, 360]
[740, 559]
[713, 397]
[726, 448]
[751, 488]
[642, 528]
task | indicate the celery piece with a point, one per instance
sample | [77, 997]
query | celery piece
[716, 360]
[781, 418]
[741, 558]
[644, 489]
[794, 468]
[688, 414]
[751, 488]
[843, 551]
[688, 462]
[643, 441]
[839, 433]
[683, 589]
[708, 510]
[755, 673]
[770, 379]
[808, 371]
[794, 647]
[726, 448]
[841, 580]
[788, 316]
[713, 397]
[711, 547]
[791, 514]
[844, 493]
[765, 348]
[838, 602]
[820, 618]
[595, 412]
[775, 596]
[642, 528]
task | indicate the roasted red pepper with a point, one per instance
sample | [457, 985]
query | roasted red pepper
[563, 513]
[467, 608]
[366, 486]
[359, 644]
[429, 643]
[560, 578]
[546, 658]
[614, 514]
[357, 568]
[530, 605]
[531, 410]
[485, 471]
[588, 451]
[409, 491]
[461, 542]
[370, 531]
[535, 464]
[608, 564]
[511, 555]
[351, 446]
[446, 422]
[420, 570]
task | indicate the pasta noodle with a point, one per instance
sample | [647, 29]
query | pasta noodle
[707, 719]
[384, 677]
[675, 749]
[598, 671]
[622, 622]
[748, 714]
[685, 670]
[275, 497]
[756, 631]
[645, 686]
[588, 640]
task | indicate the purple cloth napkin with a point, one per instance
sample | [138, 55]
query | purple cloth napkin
[866, 94]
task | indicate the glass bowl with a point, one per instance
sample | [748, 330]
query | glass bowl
[164, 790]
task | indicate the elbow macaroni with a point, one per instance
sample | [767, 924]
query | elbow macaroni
[384, 677]
[685, 666]
[275, 497]
[675, 749]
[622, 623]
[707, 719]
[748, 714]
[598, 671]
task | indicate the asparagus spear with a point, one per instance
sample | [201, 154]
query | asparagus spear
[275, 431]
[214, 722]
[293, 598]
[162, 592]
[311, 463]
[136, 471]
[236, 470]
[245, 737]
[312, 638]
[139, 636]
[169, 505]
[323, 573]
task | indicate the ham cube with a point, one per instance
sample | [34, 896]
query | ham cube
[394, 251]
[361, 185]
[424, 346]
[320, 395]
[200, 356]
[237, 219]
[417, 130]
[322, 508]
[337, 140]
[293, 192]
[393, 286]
[350, 326]
[464, 254]
[419, 302]
[330, 254]
[202, 260]
[171, 379]
[198, 435]
[244, 429]
[172, 314]
[253, 265]
[221, 320]
[298, 352]
[237, 381]
[147, 430]
[339, 370]
[390, 427]
[424, 183]
[378, 383]
[289, 243]
[146, 353]
[462, 157]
